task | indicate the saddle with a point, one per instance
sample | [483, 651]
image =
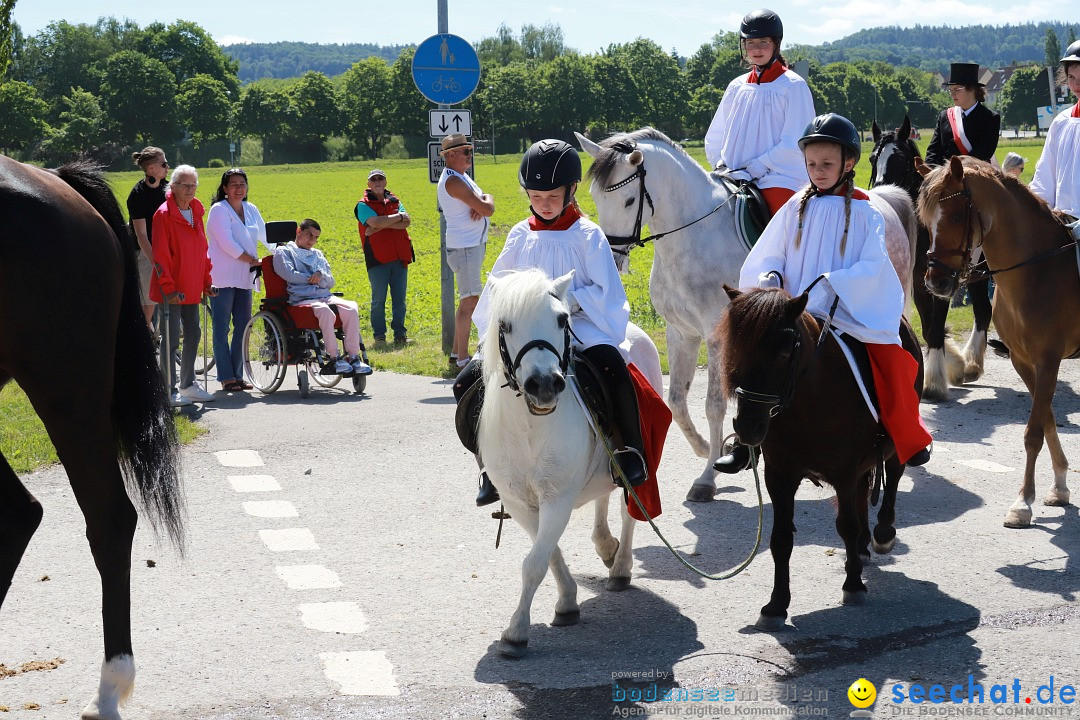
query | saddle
[751, 211]
[864, 374]
[591, 385]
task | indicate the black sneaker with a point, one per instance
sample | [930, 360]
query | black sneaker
[735, 461]
[488, 494]
[632, 464]
[920, 458]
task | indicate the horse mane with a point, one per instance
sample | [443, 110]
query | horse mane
[88, 179]
[621, 144]
[933, 184]
[749, 317]
[518, 295]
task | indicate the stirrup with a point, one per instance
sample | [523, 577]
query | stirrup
[736, 459]
[632, 476]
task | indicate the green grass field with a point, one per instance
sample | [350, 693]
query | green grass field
[328, 192]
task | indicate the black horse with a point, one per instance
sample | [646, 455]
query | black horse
[801, 405]
[67, 271]
[893, 161]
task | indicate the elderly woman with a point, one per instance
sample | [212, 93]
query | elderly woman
[183, 271]
[143, 200]
[1013, 165]
[969, 127]
[1057, 174]
[234, 229]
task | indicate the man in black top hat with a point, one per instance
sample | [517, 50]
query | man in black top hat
[969, 127]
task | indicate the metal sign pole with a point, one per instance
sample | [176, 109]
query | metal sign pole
[449, 312]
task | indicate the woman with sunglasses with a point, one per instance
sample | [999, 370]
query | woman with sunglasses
[234, 229]
[755, 132]
[143, 200]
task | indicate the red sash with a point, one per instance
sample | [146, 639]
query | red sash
[1076, 110]
[775, 70]
[569, 216]
[956, 122]
[655, 420]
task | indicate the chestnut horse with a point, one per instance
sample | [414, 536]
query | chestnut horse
[799, 403]
[67, 270]
[969, 205]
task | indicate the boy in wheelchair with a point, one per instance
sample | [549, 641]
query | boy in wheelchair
[307, 274]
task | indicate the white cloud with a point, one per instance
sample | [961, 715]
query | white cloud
[234, 40]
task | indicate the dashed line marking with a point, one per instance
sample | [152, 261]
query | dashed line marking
[254, 483]
[308, 577]
[360, 672]
[289, 540]
[239, 458]
[334, 617]
[270, 508]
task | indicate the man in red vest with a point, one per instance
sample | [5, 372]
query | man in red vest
[382, 222]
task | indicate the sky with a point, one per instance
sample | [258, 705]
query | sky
[588, 25]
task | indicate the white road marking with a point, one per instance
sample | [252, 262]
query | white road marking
[308, 577]
[987, 466]
[254, 483]
[360, 672]
[239, 458]
[334, 617]
[289, 540]
[270, 508]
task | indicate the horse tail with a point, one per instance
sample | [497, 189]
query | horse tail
[146, 439]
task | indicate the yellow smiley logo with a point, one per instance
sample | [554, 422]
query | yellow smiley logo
[862, 693]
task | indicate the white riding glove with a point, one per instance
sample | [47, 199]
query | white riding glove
[771, 279]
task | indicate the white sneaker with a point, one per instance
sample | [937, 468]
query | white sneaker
[342, 366]
[196, 394]
[178, 400]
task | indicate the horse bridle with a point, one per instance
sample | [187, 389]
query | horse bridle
[911, 175]
[510, 366]
[962, 274]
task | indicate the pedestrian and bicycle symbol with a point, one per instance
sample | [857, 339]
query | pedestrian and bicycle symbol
[446, 69]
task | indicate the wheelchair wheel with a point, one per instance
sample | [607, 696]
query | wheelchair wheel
[302, 381]
[359, 383]
[265, 361]
[327, 381]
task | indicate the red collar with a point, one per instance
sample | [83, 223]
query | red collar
[569, 216]
[774, 71]
[1076, 110]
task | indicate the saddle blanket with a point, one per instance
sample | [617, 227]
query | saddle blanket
[857, 374]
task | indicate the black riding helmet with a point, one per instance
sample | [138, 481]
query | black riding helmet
[762, 23]
[1072, 53]
[549, 164]
[831, 127]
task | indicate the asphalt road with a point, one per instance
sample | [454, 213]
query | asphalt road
[348, 575]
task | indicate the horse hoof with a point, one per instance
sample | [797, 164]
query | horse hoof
[854, 598]
[1057, 498]
[1018, 518]
[617, 584]
[701, 493]
[563, 619]
[513, 648]
[770, 623]
[972, 375]
[885, 547]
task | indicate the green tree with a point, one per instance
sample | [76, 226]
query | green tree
[500, 49]
[700, 110]
[62, 56]
[204, 107]
[139, 96]
[81, 130]
[7, 33]
[265, 114]
[614, 107]
[566, 83]
[188, 50]
[1053, 48]
[318, 115]
[514, 92]
[660, 94]
[543, 43]
[408, 108]
[365, 99]
[22, 122]
[1019, 98]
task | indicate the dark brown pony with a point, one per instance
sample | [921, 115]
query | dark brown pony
[67, 271]
[801, 406]
[968, 204]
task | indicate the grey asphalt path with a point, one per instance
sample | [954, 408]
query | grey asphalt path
[386, 492]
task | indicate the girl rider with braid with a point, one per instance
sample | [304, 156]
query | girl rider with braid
[831, 229]
[755, 131]
[557, 238]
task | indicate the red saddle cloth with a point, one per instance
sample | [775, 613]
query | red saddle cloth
[302, 317]
[655, 421]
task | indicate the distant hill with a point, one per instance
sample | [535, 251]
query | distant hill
[293, 59]
[933, 48]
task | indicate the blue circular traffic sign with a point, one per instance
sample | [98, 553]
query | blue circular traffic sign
[446, 69]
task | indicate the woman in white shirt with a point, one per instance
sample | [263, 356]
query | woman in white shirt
[755, 132]
[234, 229]
[1057, 175]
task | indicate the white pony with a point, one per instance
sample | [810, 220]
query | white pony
[692, 264]
[537, 443]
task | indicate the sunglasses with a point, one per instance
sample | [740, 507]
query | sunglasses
[466, 152]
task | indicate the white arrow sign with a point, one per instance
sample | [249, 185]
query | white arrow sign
[446, 122]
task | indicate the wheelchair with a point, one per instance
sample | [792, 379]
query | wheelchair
[280, 334]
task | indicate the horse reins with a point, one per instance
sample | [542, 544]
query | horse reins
[967, 274]
[623, 244]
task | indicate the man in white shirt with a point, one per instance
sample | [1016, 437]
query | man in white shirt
[466, 209]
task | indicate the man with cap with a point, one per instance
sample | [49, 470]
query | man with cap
[466, 209]
[383, 225]
[969, 127]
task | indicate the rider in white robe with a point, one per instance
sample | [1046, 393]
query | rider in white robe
[1057, 175]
